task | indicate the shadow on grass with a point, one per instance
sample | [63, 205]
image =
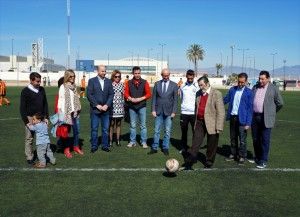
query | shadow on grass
[225, 151]
[169, 175]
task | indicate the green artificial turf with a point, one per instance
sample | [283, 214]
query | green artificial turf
[220, 192]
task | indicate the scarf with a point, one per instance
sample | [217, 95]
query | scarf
[68, 106]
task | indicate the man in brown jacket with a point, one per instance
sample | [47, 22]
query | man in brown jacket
[210, 114]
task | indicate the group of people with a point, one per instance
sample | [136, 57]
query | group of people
[110, 100]
[3, 99]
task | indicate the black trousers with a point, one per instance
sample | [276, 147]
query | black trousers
[212, 144]
[185, 120]
[238, 137]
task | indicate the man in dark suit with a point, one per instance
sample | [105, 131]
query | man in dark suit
[267, 101]
[240, 110]
[164, 106]
[100, 94]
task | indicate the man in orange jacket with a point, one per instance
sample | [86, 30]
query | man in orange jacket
[3, 98]
[82, 87]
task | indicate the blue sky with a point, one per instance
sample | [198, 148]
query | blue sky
[119, 27]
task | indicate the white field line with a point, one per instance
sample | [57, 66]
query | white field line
[8, 169]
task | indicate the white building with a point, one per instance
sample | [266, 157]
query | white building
[148, 66]
[22, 63]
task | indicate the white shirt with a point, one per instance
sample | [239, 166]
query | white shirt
[188, 97]
[236, 101]
[164, 83]
[61, 99]
[101, 80]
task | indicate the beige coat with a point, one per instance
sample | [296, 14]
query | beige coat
[214, 114]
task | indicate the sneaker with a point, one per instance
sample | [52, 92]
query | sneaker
[53, 162]
[241, 161]
[144, 145]
[77, 150]
[152, 151]
[252, 160]
[130, 145]
[67, 153]
[118, 143]
[38, 165]
[261, 166]
[230, 158]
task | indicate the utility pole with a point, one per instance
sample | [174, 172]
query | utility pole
[148, 56]
[12, 53]
[162, 54]
[284, 62]
[232, 47]
[243, 49]
[69, 35]
[273, 54]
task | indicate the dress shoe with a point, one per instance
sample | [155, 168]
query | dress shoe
[106, 149]
[93, 150]
[30, 162]
[152, 151]
[166, 152]
[208, 165]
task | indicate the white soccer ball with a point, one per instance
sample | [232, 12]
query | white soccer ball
[172, 165]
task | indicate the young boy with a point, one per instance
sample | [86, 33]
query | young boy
[42, 141]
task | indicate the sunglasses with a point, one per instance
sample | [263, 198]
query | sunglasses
[72, 76]
[117, 76]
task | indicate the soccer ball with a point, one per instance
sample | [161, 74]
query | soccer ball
[172, 165]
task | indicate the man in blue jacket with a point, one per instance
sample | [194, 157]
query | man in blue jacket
[240, 111]
[100, 94]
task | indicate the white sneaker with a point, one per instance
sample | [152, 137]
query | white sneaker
[145, 145]
[130, 145]
[261, 166]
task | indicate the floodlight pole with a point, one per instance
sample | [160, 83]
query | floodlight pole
[273, 54]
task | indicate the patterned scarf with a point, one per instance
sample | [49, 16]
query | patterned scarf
[68, 107]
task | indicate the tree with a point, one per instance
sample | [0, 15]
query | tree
[219, 66]
[195, 53]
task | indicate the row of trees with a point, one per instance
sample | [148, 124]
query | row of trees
[195, 53]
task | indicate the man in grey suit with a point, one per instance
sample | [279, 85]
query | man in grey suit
[267, 101]
[164, 106]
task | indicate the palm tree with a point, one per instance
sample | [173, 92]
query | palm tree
[218, 66]
[195, 53]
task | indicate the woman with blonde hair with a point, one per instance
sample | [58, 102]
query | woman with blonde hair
[117, 113]
[69, 106]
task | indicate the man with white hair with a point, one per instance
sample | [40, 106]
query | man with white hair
[164, 107]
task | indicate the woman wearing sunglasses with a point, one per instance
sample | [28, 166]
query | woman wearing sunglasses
[117, 113]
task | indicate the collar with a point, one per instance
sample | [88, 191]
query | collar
[32, 88]
[101, 78]
[208, 91]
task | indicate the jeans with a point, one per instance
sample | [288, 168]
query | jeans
[134, 115]
[261, 138]
[238, 137]
[43, 149]
[167, 122]
[95, 120]
[76, 128]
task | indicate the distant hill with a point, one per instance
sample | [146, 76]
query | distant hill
[291, 72]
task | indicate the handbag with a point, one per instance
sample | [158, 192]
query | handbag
[62, 131]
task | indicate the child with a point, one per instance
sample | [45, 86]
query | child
[42, 141]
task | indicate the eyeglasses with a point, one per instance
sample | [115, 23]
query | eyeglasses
[72, 76]
[117, 76]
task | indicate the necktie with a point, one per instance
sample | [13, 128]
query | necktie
[164, 87]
